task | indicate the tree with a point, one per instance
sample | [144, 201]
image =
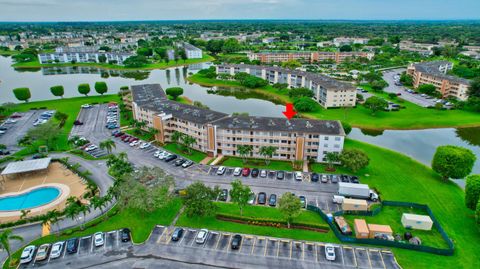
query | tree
[477, 213]
[135, 61]
[375, 104]
[427, 89]
[61, 117]
[174, 92]
[47, 132]
[198, 200]
[347, 128]
[147, 52]
[101, 87]
[84, 89]
[474, 88]
[406, 79]
[3, 146]
[102, 58]
[51, 218]
[300, 92]
[346, 48]
[453, 161]
[57, 91]
[378, 85]
[305, 104]
[5, 237]
[99, 202]
[332, 157]
[291, 64]
[267, 152]
[290, 207]
[231, 45]
[354, 159]
[176, 137]
[188, 142]
[72, 207]
[240, 194]
[22, 94]
[472, 191]
[244, 151]
[214, 46]
[108, 145]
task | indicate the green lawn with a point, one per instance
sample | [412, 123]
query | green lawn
[400, 178]
[141, 225]
[257, 163]
[161, 65]
[261, 212]
[195, 155]
[141, 134]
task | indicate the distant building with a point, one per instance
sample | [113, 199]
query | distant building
[435, 73]
[192, 51]
[341, 41]
[424, 49]
[219, 133]
[327, 91]
[82, 55]
[307, 56]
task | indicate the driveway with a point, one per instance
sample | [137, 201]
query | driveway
[389, 75]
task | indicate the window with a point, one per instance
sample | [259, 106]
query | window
[326, 138]
[337, 138]
[326, 145]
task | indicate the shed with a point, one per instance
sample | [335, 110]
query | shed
[354, 205]
[361, 228]
[418, 222]
[378, 230]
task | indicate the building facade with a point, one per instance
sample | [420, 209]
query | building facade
[192, 52]
[307, 56]
[82, 55]
[435, 73]
[326, 91]
[219, 133]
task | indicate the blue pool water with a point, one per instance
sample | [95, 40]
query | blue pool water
[34, 198]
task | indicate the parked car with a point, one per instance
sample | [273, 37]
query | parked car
[251, 200]
[329, 252]
[262, 198]
[255, 172]
[86, 106]
[125, 235]
[4, 152]
[236, 241]
[334, 179]
[27, 254]
[324, 179]
[298, 176]
[98, 239]
[42, 252]
[263, 173]
[57, 249]
[145, 145]
[177, 234]
[170, 157]
[179, 162]
[280, 175]
[187, 164]
[246, 172]
[77, 122]
[201, 236]
[237, 171]
[223, 196]
[303, 200]
[72, 245]
[221, 170]
[272, 201]
[314, 177]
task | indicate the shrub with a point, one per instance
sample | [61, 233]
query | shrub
[300, 92]
[84, 89]
[305, 104]
[453, 161]
[22, 94]
[57, 91]
[174, 92]
[346, 127]
[472, 191]
[101, 87]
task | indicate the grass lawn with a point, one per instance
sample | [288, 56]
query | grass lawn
[162, 65]
[257, 163]
[321, 168]
[391, 215]
[262, 212]
[70, 106]
[400, 178]
[195, 155]
[141, 225]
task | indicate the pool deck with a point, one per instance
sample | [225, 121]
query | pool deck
[55, 176]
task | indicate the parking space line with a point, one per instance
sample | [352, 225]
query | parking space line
[291, 248]
[218, 241]
[343, 255]
[381, 258]
[368, 257]
[160, 237]
[195, 236]
[91, 245]
[118, 238]
[253, 246]
[229, 242]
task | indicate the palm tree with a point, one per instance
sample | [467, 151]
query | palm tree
[98, 202]
[244, 151]
[176, 137]
[92, 190]
[108, 145]
[267, 152]
[51, 217]
[24, 213]
[84, 209]
[72, 207]
[5, 237]
[123, 156]
[188, 141]
[332, 157]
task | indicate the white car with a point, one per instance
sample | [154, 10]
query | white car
[324, 179]
[201, 236]
[27, 254]
[98, 239]
[90, 148]
[134, 143]
[163, 155]
[329, 252]
[9, 120]
[42, 252]
[263, 173]
[237, 171]
[157, 153]
[221, 170]
[298, 176]
[57, 249]
[145, 145]
[86, 106]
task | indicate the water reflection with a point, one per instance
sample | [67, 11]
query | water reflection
[371, 132]
[469, 135]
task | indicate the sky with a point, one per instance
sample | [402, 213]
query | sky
[120, 10]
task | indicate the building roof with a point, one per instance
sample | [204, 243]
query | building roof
[380, 228]
[189, 46]
[433, 68]
[147, 93]
[416, 217]
[280, 124]
[26, 166]
[326, 82]
[360, 226]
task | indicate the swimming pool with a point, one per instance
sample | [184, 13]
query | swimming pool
[34, 198]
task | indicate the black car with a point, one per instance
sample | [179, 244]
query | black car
[344, 178]
[179, 162]
[255, 172]
[77, 122]
[3, 128]
[125, 235]
[177, 234]
[72, 245]
[4, 152]
[262, 198]
[236, 241]
[170, 158]
[272, 201]
[223, 195]
[315, 177]
[280, 175]
[354, 179]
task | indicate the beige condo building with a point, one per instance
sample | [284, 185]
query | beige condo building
[307, 56]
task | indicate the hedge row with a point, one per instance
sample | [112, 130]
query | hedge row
[269, 220]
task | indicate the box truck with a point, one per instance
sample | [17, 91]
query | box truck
[352, 190]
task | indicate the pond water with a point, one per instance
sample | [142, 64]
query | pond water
[419, 144]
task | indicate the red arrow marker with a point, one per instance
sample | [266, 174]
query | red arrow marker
[289, 112]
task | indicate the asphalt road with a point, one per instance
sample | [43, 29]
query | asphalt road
[388, 76]
[19, 129]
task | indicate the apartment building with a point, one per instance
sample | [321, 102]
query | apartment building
[192, 51]
[219, 133]
[435, 73]
[82, 55]
[307, 56]
[341, 41]
[327, 91]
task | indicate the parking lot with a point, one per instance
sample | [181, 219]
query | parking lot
[277, 248]
[86, 249]
[18, 129]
